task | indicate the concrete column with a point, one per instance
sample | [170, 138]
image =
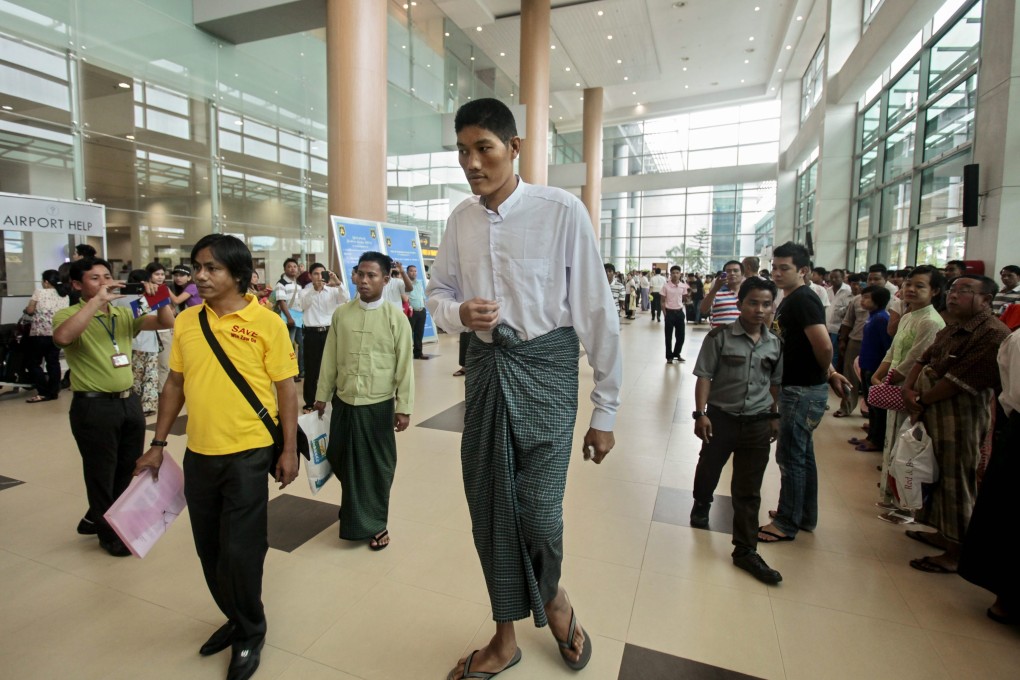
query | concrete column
[591, 192]
[356, 96]
[534, 159]
[996, 239]
[836, 144]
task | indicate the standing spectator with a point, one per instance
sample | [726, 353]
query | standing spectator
[750, 266]
[184, 292]
[368, 407]
[106, 415]
[230, 448]
[287, 292]
[807, 359]
[694, 297]
[524, 372]
[616, 286]
[739, 371]
[157, 275]
[673, 293]
[878, 275]
[875, 342]
[318, 302]
[1010, 292]
[45, 302]
[633, 289]
[645, 285]
[840, 298]
[951, 389]
[851, 331]
[917, 331]
[416, 298]
[987, 559]
[144, 355]
[721, 301]
[655, 286]
[955, 269]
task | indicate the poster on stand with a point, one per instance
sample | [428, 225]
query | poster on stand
[354, 237]
[403, 245]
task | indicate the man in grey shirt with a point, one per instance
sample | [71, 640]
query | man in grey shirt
[739, 372]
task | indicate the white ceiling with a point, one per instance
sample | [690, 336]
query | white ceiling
[673, 55]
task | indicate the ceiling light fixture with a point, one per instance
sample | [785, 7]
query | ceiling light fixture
[780, 70]
[552, 47]
[751, 38]
[633, 93]
[567, 68]
[447, 34]
[600, 12]
[747, 61]
[757, 8]
[626, 77]
[7, 107]
[619, 61]
[789, 47]
[502, 54]
[577, 84]
[609, 37]
[129, 136]
[685, 68]
[478, 28]
[124, 86]
[800, 18]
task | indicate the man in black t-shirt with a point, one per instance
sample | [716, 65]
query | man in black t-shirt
[801, 323]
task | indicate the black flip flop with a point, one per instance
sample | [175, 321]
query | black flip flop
[585, 657]
[924, 537]
[483, 675]
[776, 538]
[927, 564]
[378, 537]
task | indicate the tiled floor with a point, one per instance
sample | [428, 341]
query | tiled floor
[661, 600]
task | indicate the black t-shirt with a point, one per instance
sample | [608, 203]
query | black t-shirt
[797, 311]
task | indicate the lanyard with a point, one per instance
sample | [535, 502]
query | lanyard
[111, 330]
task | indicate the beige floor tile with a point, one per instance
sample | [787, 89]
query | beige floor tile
[603, 594]
[966, 658]
[696, 555]
[303, 669]
[824, 643]
[632, 468]
[399, 632]
[725, 627]
[448, 564]
[604, 537]
[596, 493]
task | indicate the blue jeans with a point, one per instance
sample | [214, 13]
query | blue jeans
[802, 409]
[834, 339]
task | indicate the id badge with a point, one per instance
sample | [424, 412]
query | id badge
[120, 360]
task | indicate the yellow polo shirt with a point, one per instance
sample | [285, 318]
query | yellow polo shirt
[256, 340]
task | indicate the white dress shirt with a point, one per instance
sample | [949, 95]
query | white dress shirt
[319, 305]
[1009, 372]
[657, 282]
[394, 291]
[536, 257]
[841, 300]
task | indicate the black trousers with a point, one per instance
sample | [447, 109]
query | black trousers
[41, 350]
[675, 325]
[314, 344]
[748, 441]
[110, 434]
[417, 320]
[656, 305]
[228, 499]
[877, 417]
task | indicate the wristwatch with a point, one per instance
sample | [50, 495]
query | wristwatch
[698, 414]
[158, 442]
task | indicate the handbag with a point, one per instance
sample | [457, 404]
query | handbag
[245, 389]
[887, 396]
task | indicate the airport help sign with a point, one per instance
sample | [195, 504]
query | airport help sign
[30, 213]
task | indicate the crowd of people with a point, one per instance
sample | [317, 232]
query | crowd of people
[779, 341]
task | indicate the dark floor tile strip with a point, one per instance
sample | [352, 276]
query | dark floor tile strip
[450, 420]
[293, 521]
[8, 482]
[180, 426]
[647, 664]
[673, 506]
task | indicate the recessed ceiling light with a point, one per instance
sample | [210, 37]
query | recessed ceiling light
[550, 106]
[685, 68]
[567, 68]
[619, 61]
[472, 58]
[124, 86]
[403, 47]
[447, 34]
[577, 84]
[789, 47]
[757, 8]
[609, 37]
[773, 88]
[780, 70]
[129, 136]
[552, 47]
[626, 77]
[751, 38]
[561, 117]
[633, 93]
[741, 80]
[747, 61]
[581, 98]
[451, 84]
[800, 18]
[7, 107]
[686, 86]
[600, 12]
[478, 28]
[502, 54]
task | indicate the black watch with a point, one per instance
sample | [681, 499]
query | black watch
[158, 442]
[698, 414]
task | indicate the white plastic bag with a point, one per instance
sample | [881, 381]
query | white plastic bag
[913, 464]
[317, 431]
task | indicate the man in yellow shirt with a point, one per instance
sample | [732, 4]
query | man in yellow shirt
[230, 449]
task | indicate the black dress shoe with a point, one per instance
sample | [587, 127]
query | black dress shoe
[699, 515]
[115, 547]
[244, 659]
[220, 640]
[753, 564]
[87, 527]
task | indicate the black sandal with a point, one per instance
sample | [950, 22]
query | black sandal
[374, 543]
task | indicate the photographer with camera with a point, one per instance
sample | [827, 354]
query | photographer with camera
[397, 287]
[319, 300]
[721, 301]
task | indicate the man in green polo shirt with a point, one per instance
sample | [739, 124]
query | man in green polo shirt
[106, 416]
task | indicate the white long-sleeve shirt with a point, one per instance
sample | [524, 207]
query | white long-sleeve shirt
[1009, 372]
[536, 256]
[319, 305]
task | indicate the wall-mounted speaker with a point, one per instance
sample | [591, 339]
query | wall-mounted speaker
[970, 195]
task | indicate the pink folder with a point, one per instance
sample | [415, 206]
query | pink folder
[146, 509]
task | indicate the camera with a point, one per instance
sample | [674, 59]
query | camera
[132, 289]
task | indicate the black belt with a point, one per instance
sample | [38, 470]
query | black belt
[317, 329]
[420, 309]
[752, 418]
[104, 395]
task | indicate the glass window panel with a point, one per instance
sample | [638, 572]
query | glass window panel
[253, 147]
[700, 119]
[899, 152]
[956, 51]
[760, 110]
[759, 131]
[231, 141]
[32, 87]
[713, 158]
[942, 190]
[898, 249]
[164, 99]
[895, 207]
[903, 96]
[167, 123]
[869, 124]
[713, 137]
[949, 122]
[868, 171]
[758, 153]
[941, 243]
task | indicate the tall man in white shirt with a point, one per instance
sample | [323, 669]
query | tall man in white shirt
[519, 266]
[656, 283]
[840, 298]
[287, 292]
[319, 300]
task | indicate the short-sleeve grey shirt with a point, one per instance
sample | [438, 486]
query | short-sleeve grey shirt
[741, 371]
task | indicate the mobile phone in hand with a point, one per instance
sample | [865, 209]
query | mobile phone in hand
[132, 289]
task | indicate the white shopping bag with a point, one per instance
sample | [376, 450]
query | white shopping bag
[317, 431]
[913, 464]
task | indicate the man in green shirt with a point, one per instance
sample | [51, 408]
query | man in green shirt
[106, 415]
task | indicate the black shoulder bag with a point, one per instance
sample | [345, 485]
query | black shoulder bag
[244, 388]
